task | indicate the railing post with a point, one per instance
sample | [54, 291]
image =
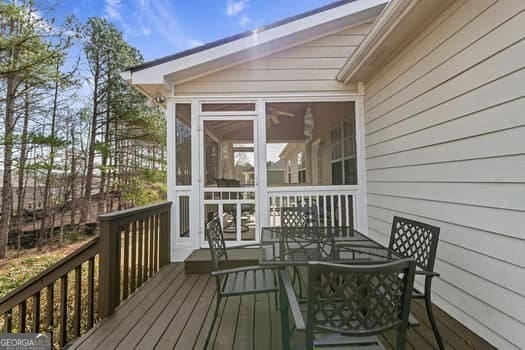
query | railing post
[109, 265]
[165, 236]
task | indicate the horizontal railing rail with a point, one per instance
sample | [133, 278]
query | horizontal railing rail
[68, 298]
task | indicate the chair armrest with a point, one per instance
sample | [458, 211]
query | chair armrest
[427, 273]
[243, 269]
[291, 299]
[249, 245]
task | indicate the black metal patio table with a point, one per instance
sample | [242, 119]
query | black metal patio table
[297, 246]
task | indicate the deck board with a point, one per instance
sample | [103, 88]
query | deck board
[182, 320]
[137, 324]
[225, 335]
[244, 333]
[174, 311]
[261, 321]
[143, 295]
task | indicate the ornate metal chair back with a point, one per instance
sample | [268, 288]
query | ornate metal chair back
[300, 216]
[216, 242]
[416, 240]
[359, 300]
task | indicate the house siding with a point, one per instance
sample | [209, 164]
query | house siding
[309, 67]
[445, 144]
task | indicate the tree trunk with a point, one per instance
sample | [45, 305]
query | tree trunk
[21, 176]
[46, 200]
[73, 178]
[86, 210]
[104, 160]
[7, 193]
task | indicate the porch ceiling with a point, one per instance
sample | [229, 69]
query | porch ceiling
[287, 127]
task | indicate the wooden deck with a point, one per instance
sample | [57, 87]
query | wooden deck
[200, 260]
[173, 311]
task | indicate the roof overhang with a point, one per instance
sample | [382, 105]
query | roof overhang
[158, 77]
[399, 23]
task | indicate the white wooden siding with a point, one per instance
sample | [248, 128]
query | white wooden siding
[310, 67]
[445, 144]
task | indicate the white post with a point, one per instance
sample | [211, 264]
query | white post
[171, 143]
[261, 184]
[361, 210]
[196, 195]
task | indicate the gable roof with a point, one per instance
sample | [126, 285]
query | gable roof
[236, 36]
[399, 23]
[160, 74]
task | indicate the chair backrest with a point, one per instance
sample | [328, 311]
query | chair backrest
[416, 240]
[359, 300]
[299, 216]
[216, 242]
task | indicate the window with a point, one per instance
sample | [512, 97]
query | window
[183, 144]
[229, 153]
[309, 139]
[228, 107]
[344, 162]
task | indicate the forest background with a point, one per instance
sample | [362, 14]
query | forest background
[75, 140]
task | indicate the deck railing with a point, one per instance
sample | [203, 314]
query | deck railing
[134, 243]
[59, 301]
[67, 299]
[335, 203]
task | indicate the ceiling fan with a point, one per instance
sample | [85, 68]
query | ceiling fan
[275, 114]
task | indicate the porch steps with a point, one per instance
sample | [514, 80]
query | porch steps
[199, 262]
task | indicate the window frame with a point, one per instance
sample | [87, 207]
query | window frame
[343, 158]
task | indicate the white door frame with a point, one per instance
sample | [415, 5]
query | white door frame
[202, 188]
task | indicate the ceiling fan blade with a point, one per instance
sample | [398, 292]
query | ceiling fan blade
[283, 113]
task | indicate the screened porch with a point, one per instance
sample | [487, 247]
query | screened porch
[244, 161]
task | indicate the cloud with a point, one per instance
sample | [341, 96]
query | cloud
[112, 9]
[159, 17]
[245, 20]
[195, 43]
[146, 31]
[233, 8]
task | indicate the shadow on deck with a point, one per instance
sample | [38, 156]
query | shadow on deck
[173, 311]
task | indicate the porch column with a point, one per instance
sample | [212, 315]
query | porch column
[171, 130]
[196, 179]
[261, 185]
[361, 209]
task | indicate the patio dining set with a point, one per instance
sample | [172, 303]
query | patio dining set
[336, 287]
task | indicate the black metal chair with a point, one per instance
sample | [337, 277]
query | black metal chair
[301, 216]
[417, 240]
[349, 306]
[239, 281]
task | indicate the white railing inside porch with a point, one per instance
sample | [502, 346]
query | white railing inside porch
[336, 205]
[235, 207]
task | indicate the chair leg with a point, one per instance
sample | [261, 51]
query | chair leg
[215, 314]
[430, 313]
[296, 274]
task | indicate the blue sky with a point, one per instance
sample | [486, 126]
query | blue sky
[162, 27]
